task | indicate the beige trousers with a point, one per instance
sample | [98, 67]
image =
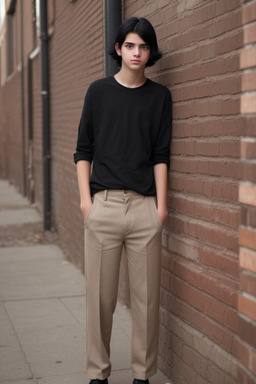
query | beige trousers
[120, 219]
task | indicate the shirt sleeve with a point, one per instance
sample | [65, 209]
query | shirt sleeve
[85, 140]
[161, 149]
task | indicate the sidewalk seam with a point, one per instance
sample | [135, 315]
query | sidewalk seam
[18, 340]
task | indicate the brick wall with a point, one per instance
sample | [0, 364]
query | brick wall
[13, 152]
[10, 120]
[246, 344]
[76, 52]
[12, 131]
[77, 58]
[201, 42]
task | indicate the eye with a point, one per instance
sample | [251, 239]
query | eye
[129, 46]
[145, 47]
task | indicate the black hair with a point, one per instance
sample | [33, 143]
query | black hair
[145, 30]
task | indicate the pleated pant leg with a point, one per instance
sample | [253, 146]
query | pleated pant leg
[120, 219]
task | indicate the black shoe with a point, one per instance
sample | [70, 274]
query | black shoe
[98, 381]
[138, 381]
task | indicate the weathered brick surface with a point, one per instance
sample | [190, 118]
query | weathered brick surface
[12, 134]
[248, 103]
[247, 259]
[77, 58]
[246, 346]
[76, 54]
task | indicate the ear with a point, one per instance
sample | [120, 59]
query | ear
[118, 50]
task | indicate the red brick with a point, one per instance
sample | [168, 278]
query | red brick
[208, 233]
[211, 307]
[249, 126]
[179, 288]
[250, 34]
[247, 238]
[247, 331]
[207, 148]
[253, 362]
[247, 194]
[241, 376]
[232, 320]
[230, 148]
[248, 216]
[247, 306]
[204, 208]
[242, 352]
[214, 331]
[248, 58]
[230, 43]
[230, 6]
[215, 374]
[188, 373]
[244, 376]
[190, 357]
[207, 166]
[247, 259]
[216, 128]
[229, 21]
[248, 149]
[248, 283]
[182, 147]
[249, 13]
[248, 81]
[248, 171]
[222, 262]
[167, 30]
[229, 65]
[203, 14]
[165, 279]
[212, 283]
[248, 102]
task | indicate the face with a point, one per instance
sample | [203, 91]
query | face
[135, 52]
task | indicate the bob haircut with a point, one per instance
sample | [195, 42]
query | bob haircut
[145, 30]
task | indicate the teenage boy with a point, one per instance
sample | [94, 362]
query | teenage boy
[125, 130]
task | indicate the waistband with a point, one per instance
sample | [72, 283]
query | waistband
[118, 192]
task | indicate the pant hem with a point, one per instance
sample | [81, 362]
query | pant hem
[144, 376]
[94, 376]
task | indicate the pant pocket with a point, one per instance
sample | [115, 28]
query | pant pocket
[153, 202]
[89, 214]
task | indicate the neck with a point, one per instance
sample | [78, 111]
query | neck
[130, 79]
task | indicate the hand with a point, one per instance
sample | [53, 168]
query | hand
[163, 213]
[85, 207]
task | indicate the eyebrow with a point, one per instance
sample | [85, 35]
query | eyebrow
[127, 42]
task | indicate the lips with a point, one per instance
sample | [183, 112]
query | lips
[135, 61]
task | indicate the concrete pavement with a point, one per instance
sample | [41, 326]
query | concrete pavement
[42, 307]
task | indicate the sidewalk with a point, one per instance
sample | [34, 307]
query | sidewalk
[42, 306]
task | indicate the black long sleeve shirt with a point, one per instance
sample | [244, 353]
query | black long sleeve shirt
[125, 132]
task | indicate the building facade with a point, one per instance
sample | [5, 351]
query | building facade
[208, 288]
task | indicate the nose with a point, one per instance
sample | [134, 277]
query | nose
[136, 51]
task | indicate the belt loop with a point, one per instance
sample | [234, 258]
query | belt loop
[105, 194]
